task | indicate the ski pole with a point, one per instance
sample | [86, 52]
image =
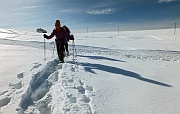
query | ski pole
[73, 50]
[44, 50]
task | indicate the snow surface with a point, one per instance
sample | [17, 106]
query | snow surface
[135, 72]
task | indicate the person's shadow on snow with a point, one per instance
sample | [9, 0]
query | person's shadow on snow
[100, 58]
[89, 68]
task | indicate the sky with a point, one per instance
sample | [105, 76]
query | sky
[91, 15]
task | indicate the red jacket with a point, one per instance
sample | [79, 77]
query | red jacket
[60, 35]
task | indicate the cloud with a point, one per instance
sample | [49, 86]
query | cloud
[101, 11]
[161, 1]
[31, 7]
[105, 4]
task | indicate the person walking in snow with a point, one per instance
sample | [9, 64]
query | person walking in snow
[67, 40]
[60, 39]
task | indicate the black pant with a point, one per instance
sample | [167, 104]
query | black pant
[66, 46]
[60, 51]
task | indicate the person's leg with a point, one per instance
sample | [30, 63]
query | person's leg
[62, 52]
[58, 50]
[66, 46]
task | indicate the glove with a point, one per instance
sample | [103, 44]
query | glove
[72, 37]
[45, 36]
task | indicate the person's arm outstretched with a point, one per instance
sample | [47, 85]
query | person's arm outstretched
[49, 37]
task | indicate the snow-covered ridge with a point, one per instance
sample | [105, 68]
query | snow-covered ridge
[8, 33]
[39, 85]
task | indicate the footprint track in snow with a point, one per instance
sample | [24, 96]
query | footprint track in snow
[4, 101]
[74, 92]
[20, 75]
[7, 95]
[77, 93]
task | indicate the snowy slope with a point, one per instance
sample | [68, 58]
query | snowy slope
[133, 72]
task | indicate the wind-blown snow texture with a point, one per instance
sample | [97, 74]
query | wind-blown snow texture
[135, 72]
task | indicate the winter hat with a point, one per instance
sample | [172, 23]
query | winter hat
[57, 22]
